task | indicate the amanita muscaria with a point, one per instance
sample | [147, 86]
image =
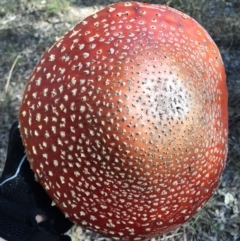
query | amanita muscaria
[124, 120]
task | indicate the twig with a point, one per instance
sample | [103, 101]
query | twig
[184, 233]
[10, 74]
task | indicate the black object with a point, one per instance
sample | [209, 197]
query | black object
[22, 198]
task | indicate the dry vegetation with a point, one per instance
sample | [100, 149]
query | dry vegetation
[29, 27]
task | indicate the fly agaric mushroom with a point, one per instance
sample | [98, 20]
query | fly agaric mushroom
[124, 120]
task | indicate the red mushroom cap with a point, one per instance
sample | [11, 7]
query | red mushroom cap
[124, 120]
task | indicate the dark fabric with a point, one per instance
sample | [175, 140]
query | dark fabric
[22, 198]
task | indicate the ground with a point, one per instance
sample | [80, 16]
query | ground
[29, 27]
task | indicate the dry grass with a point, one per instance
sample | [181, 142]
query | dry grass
[29, 27]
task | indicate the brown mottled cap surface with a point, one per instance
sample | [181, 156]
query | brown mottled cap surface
[124, 120]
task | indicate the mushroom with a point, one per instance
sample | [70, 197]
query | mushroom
[124, 120]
